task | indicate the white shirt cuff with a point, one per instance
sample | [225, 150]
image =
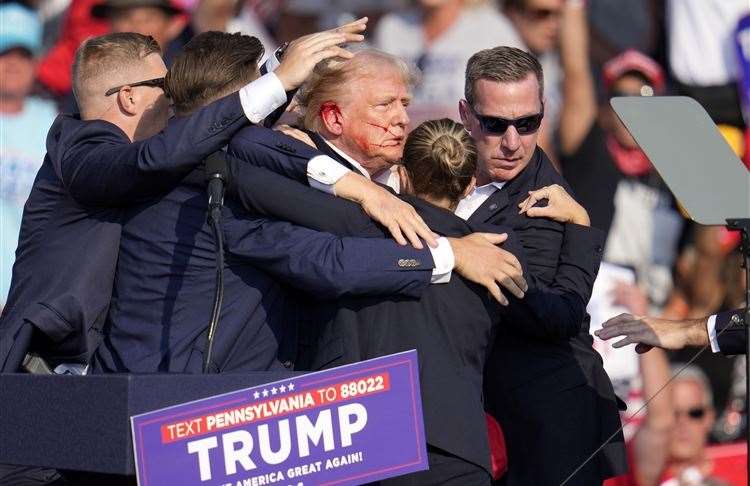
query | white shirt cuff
[261, 97]
[323, 172]
[711, 328]
[444, 261]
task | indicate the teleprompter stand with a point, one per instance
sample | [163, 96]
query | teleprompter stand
[699, 167]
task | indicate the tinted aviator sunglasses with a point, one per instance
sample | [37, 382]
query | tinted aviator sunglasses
[155, 83]
[496, 125]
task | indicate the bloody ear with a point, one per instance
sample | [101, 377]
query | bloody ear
[330, 115]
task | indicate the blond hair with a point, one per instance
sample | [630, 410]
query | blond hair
[331, 81]
[440, 157]
[104, 58]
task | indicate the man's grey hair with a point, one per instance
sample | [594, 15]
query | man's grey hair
[331, 78]
[695, 374]
[503, 64]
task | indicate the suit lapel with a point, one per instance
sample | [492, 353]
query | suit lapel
[493, 205]
[498, 201]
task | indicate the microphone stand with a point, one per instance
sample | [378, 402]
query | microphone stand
[216, 177]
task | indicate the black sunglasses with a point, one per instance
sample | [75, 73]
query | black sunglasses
[155, 83]
[496, 125]
[694, 413]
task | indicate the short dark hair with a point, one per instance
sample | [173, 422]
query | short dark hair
[503, 64]
[212, 65]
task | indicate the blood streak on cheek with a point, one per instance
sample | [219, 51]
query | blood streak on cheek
[386, 130]
[362, 142]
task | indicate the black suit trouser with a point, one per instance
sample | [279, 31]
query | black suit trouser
[548, 435]
[445, 469]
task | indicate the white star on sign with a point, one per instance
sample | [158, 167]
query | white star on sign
[256, 395]
[282, 388]
[291, 386]
[273, 391]
[265, 392]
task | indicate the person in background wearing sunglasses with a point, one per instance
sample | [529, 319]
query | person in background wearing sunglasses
[693, 407]
[543, 391]
[672, 449]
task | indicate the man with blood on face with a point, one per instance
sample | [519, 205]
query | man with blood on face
[363, 116]
[376, 127]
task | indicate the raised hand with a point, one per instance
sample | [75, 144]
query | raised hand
[301, 55]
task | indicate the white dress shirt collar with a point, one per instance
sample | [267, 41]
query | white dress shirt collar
[388, 177]
[468, 205]
[354, 163]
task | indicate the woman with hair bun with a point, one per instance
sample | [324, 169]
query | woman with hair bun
[439, 163]
[452, 325]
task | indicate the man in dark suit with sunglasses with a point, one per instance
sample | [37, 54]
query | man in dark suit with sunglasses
[117, 152]
[552, 397]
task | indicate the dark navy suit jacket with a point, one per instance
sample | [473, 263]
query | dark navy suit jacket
[67, 251]
[545, 390]
[163, 290]
[733, 332]
[450, 324]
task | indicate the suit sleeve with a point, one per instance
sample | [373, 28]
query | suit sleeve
[263, 148]
[731, 332]
[555, 311]
[101, 168]
[260, 191]
[325, 265]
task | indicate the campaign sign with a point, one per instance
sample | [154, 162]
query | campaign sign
[348, 425]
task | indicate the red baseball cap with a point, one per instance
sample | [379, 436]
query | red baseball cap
[632, 60]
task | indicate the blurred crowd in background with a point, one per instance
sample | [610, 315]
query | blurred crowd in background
[656, 260]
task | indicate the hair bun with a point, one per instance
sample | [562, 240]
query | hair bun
[440, 159]
[448, 150]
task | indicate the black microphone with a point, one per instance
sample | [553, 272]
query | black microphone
[216, 179]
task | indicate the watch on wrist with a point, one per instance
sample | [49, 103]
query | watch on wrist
[280, 51]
